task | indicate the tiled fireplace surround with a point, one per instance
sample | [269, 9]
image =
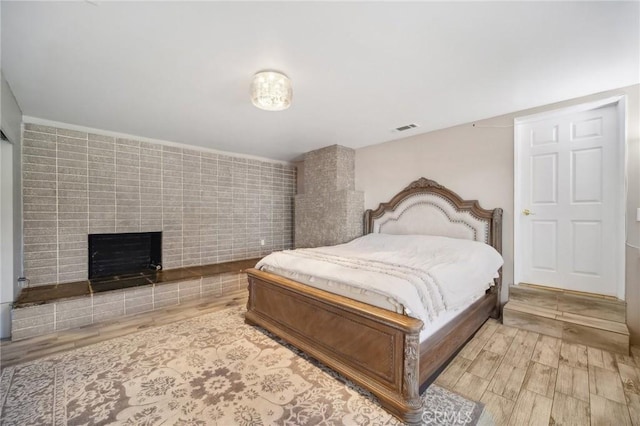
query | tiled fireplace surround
[211, 208]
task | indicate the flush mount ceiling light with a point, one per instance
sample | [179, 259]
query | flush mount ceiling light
[271, 91]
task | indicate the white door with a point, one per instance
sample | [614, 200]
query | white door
[569, 208]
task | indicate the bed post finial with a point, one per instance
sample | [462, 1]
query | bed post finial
[366, 225]
[423, 182]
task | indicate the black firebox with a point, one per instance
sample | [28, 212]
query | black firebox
[126, 253]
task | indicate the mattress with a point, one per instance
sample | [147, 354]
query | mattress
[374, 299]
[426, 277]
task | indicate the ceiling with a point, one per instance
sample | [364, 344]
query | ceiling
[181, 71]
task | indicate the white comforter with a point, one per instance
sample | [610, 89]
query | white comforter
[425, 274]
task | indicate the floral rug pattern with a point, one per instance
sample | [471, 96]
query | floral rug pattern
[209, 370]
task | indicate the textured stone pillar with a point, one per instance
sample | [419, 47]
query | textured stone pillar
[330, 210]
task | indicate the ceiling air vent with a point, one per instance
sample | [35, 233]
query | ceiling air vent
[405, 127]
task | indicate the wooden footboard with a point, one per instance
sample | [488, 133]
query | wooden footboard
[373, 347]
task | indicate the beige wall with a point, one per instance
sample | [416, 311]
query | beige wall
[476, 161]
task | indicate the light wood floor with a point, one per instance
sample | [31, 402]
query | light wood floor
[526, 378]
[36, 347]
[523, 378]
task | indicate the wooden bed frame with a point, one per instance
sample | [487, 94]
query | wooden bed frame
[376, 348]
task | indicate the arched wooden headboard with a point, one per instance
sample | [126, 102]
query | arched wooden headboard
[427, 208]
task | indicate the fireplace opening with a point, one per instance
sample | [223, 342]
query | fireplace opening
[111, 255]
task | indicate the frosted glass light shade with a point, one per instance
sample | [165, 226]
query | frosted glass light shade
[271, 91]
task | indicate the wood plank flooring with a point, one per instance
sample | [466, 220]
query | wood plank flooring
[524, 378]
[593, 320]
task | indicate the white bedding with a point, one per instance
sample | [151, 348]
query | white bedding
[423, 275]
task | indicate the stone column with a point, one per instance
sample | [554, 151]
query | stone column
[329, 210]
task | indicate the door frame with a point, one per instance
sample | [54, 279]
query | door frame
[7, 277]
[621, 194]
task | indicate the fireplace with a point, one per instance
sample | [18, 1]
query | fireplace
[112, 255]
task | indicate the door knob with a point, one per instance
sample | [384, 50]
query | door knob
[527, 212]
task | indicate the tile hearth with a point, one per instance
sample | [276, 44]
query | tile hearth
[47, 309]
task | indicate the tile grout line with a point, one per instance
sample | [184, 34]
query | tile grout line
[57, 219]
[88, 230]
[216, 207]
[181, 213]
[200, 214]
[162, 204]
[139, 188]
[115, 187]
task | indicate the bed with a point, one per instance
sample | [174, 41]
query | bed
[381, 349]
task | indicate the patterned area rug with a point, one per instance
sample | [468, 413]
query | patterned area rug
[209, 370]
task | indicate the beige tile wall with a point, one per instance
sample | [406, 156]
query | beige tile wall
[211, 207]
[329, 211]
